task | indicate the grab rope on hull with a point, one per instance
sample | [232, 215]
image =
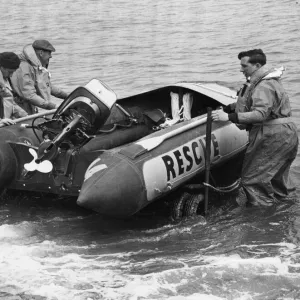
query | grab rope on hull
[223, 189]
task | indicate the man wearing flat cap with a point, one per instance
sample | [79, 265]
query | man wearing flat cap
[9, 110]
[32, 82]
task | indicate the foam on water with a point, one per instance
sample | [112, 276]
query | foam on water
[63, 274]
[57, 270]
[17, 231]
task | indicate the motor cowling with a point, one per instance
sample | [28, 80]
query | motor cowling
[93, 102]
[76, 120]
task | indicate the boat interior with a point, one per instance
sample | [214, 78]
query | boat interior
[161, 99]
[137, 116]
[134, 117]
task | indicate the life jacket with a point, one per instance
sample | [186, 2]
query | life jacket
[244, 101]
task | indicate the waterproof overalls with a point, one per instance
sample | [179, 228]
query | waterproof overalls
[264, 108]
[32, 83]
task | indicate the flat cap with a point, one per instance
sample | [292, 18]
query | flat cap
[9, 60]
[43, 44]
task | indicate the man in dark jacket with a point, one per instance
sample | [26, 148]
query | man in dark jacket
[263, 108]
[9, 110]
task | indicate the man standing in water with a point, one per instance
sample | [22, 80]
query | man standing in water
[32, 80]
[263, 108]
[9, 110]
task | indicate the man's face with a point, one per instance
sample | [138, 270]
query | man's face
[248, 68]
[44, 57]
[7, 72]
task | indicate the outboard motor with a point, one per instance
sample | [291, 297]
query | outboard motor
[76, 121]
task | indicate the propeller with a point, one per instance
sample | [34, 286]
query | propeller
[44, 167]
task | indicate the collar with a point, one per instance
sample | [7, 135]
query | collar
[259, 74]
[45, 70]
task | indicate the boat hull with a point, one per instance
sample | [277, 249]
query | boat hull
[123, 181]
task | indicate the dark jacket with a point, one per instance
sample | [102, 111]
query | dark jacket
[8, 108]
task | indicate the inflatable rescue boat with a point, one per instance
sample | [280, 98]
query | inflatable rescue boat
[119, 155]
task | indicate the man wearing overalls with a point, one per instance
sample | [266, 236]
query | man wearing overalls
[263, 108]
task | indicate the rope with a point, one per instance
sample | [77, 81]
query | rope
[225, 189]
[115, 127]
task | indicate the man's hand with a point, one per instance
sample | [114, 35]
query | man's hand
[219, 115]
[5, 122]
[57, 105]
